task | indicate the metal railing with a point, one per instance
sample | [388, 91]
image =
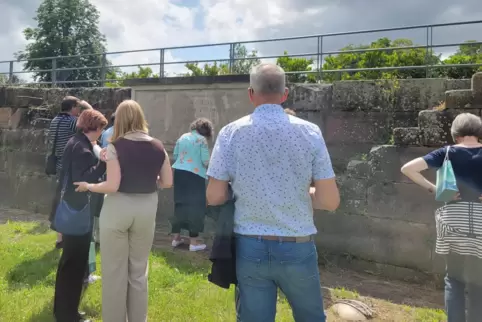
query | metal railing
[319, 54]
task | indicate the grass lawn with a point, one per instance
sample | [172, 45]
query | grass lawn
[178, 286]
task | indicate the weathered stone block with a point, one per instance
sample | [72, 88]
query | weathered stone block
[352, 188]
[451, 84]
[381, 240]
[360, 127]
[357, 96]
[309, 97]
[402, 201]
[40, 187]
[358, 169]
[23, 163]
[28, 101]
[435, 125]
[407, 136]
[462, 98]
[477, 87]
[24, 139]
[12, 118]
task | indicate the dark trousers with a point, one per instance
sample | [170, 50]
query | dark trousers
[176, 229]
[71, 272]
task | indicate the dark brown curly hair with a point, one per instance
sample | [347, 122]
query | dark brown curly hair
[203, 126]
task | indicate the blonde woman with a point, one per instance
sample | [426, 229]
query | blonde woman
[127, 220]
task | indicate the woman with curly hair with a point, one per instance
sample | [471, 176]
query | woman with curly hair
[191, 155]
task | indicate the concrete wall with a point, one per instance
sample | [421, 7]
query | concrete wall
[383, 218]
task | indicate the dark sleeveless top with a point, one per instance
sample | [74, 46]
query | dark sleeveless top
[140, 163]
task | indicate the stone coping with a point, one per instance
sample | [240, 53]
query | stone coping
[222, 79]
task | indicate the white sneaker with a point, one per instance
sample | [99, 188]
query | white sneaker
[196, 248]
[92, 279]
[176, 243]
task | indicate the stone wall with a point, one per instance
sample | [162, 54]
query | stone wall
[371, 129]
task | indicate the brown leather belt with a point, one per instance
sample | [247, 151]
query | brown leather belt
[303, 239]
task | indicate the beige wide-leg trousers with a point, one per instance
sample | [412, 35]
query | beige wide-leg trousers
[127, 226]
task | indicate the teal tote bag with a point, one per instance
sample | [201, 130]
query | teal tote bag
[446, 185]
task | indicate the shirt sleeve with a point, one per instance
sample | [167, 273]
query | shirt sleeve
[221, 157]
[73, 125]
[111, 153]
[322, 167]
[204, 152]
[435, 159]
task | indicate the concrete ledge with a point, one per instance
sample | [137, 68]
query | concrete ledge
[223, 79]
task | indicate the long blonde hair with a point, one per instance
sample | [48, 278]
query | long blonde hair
[129, 117]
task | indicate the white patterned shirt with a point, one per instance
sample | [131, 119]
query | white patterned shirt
[271, 158]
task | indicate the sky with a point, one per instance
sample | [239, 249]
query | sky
[142, 24]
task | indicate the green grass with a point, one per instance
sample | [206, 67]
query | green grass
[178, 286]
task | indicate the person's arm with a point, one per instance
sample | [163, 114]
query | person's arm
[218, 173]
[80, 157]
[165, 176]
[324, 194]
[413, 169]
[85, 106]
[205, 153]
[112, 182]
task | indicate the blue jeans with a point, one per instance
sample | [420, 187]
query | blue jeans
[263, 266]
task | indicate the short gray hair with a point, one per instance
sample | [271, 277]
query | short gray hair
[267, 79]
[466, 124]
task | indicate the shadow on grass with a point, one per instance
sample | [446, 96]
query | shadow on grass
[34, 271]
[46, 315]
[39, 229]
[184, 261]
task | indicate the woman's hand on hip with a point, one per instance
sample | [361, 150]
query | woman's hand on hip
[81, 186]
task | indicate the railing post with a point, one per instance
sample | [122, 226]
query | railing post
[54, 72]
[320, 58]
[427, 57]
[161, 63]
[10, 73]
[231, 57]
[103, 69]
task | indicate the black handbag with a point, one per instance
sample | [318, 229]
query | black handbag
[51, 165]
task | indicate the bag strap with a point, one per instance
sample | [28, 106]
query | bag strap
[54, 146]
[67, 174]
[447, 153]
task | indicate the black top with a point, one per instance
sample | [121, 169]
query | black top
[79, 163]
[467, 165]
[140, 163]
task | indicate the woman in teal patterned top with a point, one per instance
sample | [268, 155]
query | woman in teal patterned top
[191, 155]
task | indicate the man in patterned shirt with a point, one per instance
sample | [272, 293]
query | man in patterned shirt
[271, 158]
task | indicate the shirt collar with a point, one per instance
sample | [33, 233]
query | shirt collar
[268, 109]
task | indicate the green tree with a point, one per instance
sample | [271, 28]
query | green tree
[65, 28]
[297, 64]
[119, 77]
[5, 81]
[466, 54]
[244, 62]
[373, 59]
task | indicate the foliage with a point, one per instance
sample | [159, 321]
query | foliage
[244, 62]
[297, 64]
[466, 54]
[207, 69]
[5, 81]
[373, 59]
[65, 28]
[119, 76]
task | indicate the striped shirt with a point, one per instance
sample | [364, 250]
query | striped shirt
[67, 129]
[459, 229]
